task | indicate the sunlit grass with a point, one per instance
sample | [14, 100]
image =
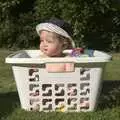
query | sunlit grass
[112, 69]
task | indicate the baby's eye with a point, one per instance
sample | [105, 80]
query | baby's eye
[50, 41]
[41, 40]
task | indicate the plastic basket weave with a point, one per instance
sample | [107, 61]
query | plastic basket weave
[71, 91]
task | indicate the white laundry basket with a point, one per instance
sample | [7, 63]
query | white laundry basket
[42, 90]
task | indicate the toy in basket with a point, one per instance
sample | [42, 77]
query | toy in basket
[65, 91]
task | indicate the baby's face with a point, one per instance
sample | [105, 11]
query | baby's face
[50, 45]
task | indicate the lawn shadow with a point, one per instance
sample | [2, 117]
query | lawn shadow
[8, 101]
[109, 97]
[110, 94]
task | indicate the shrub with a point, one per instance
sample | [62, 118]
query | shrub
[92, 20]
[96, 24]
[17, 24]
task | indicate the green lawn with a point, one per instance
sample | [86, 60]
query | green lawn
[109, 100]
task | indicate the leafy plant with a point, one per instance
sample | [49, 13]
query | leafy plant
[96, 24]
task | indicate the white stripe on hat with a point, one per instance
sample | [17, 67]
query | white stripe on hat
[54, 28]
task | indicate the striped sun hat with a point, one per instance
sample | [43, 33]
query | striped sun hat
[58, 26]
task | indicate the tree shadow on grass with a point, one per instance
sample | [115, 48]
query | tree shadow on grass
[110, 94]
[8, 101]
[109, 97]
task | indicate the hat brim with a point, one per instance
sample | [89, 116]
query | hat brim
[54, 28]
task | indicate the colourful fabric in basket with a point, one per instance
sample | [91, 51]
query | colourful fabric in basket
[80, 52]
[89, 52]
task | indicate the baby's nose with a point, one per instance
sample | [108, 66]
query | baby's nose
[44, 44]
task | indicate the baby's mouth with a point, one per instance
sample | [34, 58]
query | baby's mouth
[45, 50]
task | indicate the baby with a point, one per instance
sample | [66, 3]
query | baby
[55, 37]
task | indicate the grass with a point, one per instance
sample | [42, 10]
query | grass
[109, 100]
[112, 70]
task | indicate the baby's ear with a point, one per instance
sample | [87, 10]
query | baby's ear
[65, 45]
